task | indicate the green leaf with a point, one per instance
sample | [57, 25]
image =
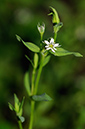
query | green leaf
[32, 47]
[27, 83]
[55, 15]
[17, 103]
[46, 60]
[29, 60]
[63, 52]
[21, 118]
[35, 60]
[43, 97]
[20, 107]
[29, 45]
[11, 107]
[18, 38]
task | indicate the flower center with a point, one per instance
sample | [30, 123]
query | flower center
[51, 45]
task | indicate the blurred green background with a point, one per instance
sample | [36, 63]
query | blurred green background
[63, 78]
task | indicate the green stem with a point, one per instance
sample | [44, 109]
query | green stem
[20, 124]
[33, 79]
[32, 114]
[32, 102]
[39, 73]
[34, 91]
[55, 36]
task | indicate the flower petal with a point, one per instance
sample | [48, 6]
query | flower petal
[56, 45]
[46, 42]
[52, 50]
[52, 40]
[48, 48]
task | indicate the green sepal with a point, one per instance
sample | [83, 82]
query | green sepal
[42, 97]
[55, 17]
[27, 83]
[46, 60]
[57, 27]
[62, 52]
[21, 118]
[29, 45]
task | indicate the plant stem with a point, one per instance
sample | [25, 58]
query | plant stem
[39, 73]
[32, 102]
[20, 124]
[55, 36]
[32, 114]
[34, 91]
[33, 79]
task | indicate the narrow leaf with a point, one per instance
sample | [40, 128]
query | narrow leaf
[29, 60]
[43, 97]
[17, 103]
[46, 60]
[27, 83]
[63, 52]
[11, 107]
[20, 107]
[35, 60]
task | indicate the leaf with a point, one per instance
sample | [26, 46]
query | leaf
[43, 97]
[55, 15]
[46, 60]
[27, 83]
[63, 52]
[32, 47]
[11, 107]
[29, 60]
[35, 60]
[20, 107]
[29, 45]
[17, 103]
[21, 118]
[18, 38]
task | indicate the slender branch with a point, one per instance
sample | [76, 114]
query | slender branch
[20, 124]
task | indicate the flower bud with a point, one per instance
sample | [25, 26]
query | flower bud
[41, 28]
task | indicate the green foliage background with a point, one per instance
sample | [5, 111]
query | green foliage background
[63, 78]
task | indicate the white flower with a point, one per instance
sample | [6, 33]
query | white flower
[51, 45]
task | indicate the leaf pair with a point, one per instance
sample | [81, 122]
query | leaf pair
[18, 108]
